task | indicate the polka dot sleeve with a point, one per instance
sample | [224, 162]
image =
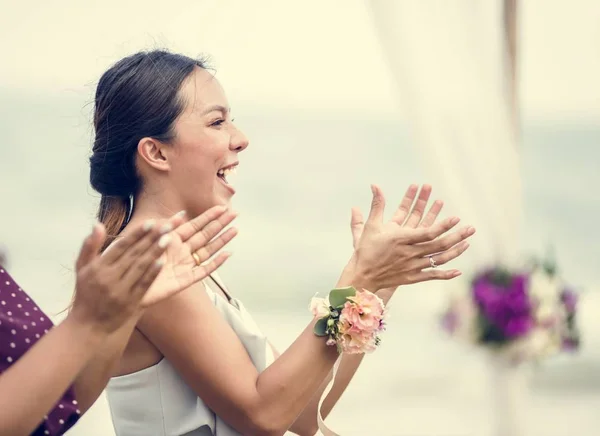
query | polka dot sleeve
[22, 324]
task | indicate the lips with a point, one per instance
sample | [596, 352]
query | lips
[224, 172]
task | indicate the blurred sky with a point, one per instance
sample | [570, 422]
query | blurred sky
[310, 54]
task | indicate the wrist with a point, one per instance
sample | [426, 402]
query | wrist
[386, 294]
[86, 331]
[351, 319]
[102, 326]
[356, 277]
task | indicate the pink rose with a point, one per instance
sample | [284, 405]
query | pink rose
[364, 312]
[358, 343]
[361, 319]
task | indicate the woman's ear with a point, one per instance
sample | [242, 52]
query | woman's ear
[154, 153]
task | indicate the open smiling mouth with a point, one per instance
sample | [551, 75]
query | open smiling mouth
[226, 171]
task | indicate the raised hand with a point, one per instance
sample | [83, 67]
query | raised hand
[398, 252]
[191, 246]
[152, 262]
[406, 209]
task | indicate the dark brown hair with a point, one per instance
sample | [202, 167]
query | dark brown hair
[137, 97]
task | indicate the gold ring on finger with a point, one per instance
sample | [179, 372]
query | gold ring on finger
[197, 259]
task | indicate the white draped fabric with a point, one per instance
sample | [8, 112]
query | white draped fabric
[448, 61]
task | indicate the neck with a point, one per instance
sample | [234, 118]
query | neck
[147, 206]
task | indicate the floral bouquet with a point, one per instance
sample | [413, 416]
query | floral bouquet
[527, 314]
[351, 319]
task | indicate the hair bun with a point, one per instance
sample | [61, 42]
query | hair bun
[111, 182]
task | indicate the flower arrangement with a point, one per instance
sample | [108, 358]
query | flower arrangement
[528, 314]
[351, 319]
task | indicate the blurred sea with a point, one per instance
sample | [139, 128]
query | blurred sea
[296, 184]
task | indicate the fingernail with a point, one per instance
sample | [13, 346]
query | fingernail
[373, 189]
[164, 241]
[180, 214]
[454, 220]
[148, 224]
[166, 228]
[160, 262]
[456, 274]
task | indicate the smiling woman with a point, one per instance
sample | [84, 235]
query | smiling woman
[139, 154]
[197, 364]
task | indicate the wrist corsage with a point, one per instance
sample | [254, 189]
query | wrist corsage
[351, 319]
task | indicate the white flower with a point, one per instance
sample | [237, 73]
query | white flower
[543, 287]
[544, 342]
[546, 312]
[319, 307]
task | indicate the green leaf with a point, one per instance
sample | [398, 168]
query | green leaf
[321, 327]
[337, 297]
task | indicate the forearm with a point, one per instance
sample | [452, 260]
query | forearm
[306, 424]
[94, 377]
[32, 386]
[288, 385]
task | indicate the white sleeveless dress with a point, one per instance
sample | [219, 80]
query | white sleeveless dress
[156, 401]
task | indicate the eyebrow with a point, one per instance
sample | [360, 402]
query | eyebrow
[216, 107]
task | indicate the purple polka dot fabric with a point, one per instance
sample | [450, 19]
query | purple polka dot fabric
[22, 324]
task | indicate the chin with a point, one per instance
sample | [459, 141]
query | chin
[221, 200]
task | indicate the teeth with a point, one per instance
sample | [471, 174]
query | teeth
[229, 171]
[224, 173]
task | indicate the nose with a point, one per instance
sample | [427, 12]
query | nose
[239, 141]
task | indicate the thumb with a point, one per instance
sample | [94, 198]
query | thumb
[357, 224]
[377, 206]
[91, 246]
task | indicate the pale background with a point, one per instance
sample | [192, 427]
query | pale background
[308, 84]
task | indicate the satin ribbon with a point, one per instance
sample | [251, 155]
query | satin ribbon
[323, 429]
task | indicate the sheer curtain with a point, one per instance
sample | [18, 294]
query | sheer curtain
[448, 61]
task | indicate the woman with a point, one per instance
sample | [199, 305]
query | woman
[196, 364]
[50, 376]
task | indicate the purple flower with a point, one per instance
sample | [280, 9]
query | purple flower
[570, 344]
[569, 299]
[504, 302]
[450, 321]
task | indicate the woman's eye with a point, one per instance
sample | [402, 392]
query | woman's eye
[217, 123]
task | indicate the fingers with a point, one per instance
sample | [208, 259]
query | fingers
[135, 243]
[444, 257]
[143, 261]
[211, 228]
[147, 278]
[135, 260]
[91, 246]
[192, 227]
[207, 251]
[357, 223]
[446, 242]
[405, 205]
[427, 234]
[433, 213]
[120, 246]
[434, 274]
[203, 271]
[377, 206]
[419, 209]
